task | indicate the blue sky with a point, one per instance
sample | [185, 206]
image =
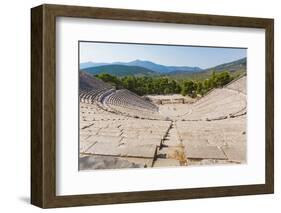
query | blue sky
[203, 57]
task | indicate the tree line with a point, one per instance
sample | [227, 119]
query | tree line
[145, 85]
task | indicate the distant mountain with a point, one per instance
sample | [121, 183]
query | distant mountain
[235, 67]
[160, 68]
[141, 68]
[145, 64]
[120, 70]
[90, 64]
[230, 66]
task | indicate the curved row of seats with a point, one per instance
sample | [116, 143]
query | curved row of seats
[120, 101]
[125, 98]
[238, 85]
[221, 103]
[130, 104]
[92, 95]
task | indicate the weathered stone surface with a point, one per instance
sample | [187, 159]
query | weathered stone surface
[101, 148]
[105, 162]
[85, 124]
[204, 152]
[171, 152]
[189, 138]
[196, 162]
[142, 136]
[151, 136]
[92, 127]
[235, 153]
[141, 141]
[172, 138]
[110, 133]
[85, 145]
[101, 124]
[84, 136]
[123, 149]
[144, 151]
[145, 162]
[91, 131]
[166, 162]
[171, 142]
[106, 139]
[195, 142]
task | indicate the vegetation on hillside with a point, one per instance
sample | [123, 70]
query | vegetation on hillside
[164, 85]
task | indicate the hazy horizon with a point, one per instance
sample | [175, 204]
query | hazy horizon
[168, 55]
